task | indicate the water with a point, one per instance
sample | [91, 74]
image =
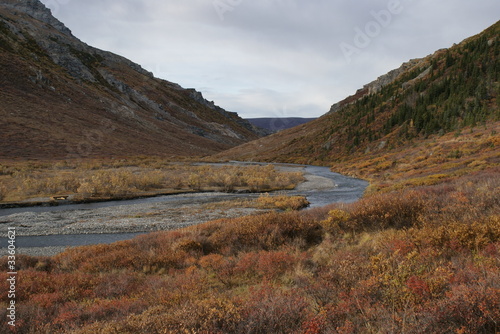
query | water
[347, 189]
[343, 189]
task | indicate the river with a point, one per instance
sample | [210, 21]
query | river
[123, 220]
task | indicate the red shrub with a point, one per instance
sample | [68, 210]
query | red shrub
[272, 310]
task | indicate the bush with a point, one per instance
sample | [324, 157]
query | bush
[282, 202]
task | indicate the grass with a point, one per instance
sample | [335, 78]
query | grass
[126, 178]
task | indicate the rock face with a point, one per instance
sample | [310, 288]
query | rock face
[58, 90]
[386, 79]
[37, 10]
[382, 81]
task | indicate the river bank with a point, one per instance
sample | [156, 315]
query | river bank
[321, 187]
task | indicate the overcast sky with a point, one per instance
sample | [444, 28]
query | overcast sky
[274, 58]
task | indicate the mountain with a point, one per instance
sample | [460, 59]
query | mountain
[61, 98]
[442, 110]
[278, 124]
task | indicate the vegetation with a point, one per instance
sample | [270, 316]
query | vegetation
[282, 202]
[458, 89]
[420, 260]
[132, 177]
[434, 160]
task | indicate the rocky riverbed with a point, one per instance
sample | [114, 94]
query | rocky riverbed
[145, 217]
[172, 212]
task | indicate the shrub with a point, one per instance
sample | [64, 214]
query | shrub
[336, 220]
[394, 210]
[282, 202]
[272, 310]
[418, 261]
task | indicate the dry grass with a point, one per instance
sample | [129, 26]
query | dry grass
[118, 178]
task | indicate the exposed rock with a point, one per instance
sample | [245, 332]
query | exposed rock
[386, 79]
[382, 81]
[37, 10]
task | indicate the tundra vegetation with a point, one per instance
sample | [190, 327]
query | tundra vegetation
[105, 179]
[415, 260]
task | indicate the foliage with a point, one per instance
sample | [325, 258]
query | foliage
[127, 178]
[282, 202]
[421, 260]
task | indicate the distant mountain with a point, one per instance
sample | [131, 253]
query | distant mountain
[62, 98]
[445, 92]
[278, 124]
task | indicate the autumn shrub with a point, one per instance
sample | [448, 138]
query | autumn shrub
[336, 221]
[282, 202]
[395, 210]
[109, 257]
[117, 284]
[211, 315]
[108, 183]
[421, 260]
[266, 232]
[269, 309]
[470, 308]
[269, 265]
[377, 212]
[255, 178]
[121, 178]
[458, 235]
[3, 192]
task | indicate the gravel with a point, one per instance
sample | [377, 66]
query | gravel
[188, 209]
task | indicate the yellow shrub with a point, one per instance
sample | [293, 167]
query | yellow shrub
[282, 202]
[335, 221]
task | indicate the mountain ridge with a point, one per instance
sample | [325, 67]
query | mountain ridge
[276, 124]
[64, 98]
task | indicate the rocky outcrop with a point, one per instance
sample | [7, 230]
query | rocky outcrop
[386, 79]
[382, 81]
[37, 10]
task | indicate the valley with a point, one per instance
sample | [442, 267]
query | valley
[185, 218]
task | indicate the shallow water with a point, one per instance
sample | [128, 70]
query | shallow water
[342, 189]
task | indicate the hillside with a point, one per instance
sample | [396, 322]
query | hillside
[278, 124]
[442, 108]
[61, 98]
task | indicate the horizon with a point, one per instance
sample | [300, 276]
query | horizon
[323, 52]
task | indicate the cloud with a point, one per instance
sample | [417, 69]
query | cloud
[272, 57]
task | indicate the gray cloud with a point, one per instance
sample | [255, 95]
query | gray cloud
[273, 57]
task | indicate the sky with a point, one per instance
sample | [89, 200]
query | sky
[274, 58]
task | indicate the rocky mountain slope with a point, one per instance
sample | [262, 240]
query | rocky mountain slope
[61, 98]
[453, 91]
